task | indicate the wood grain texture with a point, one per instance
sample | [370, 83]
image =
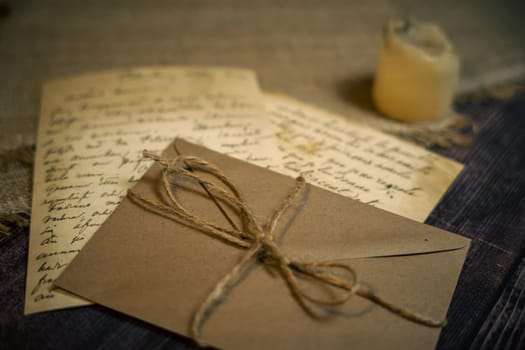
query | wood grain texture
[504, 328]
[317, 51]
[486, 204]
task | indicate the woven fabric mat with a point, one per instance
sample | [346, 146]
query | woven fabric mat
[321, 51]
[15, 190]
[486, 203]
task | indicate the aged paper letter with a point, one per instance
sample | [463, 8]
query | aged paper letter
[358, 162]
[90, 137]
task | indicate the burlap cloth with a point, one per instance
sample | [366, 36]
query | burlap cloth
[323, 52]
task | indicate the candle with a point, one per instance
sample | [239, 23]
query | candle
[417, 72]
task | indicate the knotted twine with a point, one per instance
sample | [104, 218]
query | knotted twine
[258, 243]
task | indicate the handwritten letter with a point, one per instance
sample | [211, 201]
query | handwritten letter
[358, 162]
[93, 128]
[91, 133]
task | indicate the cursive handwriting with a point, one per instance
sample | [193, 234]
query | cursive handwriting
[92, 132]
[357, 161]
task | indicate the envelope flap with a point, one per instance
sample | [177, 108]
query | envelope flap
[160, 271]
[342, 229]
[324, 225]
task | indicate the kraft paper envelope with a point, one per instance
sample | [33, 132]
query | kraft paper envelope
[160, 271]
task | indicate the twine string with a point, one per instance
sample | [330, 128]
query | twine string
[258, 243]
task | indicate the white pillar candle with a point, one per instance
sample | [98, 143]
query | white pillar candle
[417, 72]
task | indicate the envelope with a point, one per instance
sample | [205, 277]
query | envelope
[159, 270]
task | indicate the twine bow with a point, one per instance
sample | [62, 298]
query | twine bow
[258, 243]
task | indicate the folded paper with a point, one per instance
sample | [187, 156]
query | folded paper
[258, 241]
[92, 129]
[160, 270]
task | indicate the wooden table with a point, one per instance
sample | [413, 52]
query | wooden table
[311, 50]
